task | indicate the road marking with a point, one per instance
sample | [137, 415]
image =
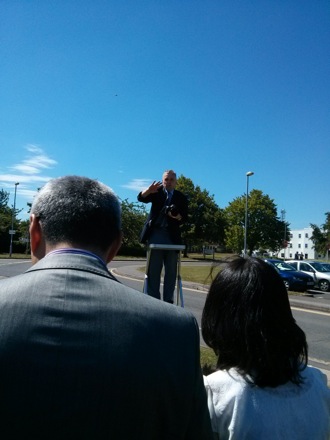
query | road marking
[316, 312]
[319, 361]
[113, 271]
[9, 263]
[126, 277]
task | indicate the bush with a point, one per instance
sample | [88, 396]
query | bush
[133, 251]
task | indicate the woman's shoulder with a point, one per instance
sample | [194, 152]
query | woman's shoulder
[316, 379]
[313, 381]
[314, 373]
[223, 379]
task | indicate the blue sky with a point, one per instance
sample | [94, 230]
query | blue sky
[122, 90]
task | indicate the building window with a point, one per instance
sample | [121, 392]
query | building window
[299, 235]
[290, 245]
[299, 246]
[291, 235]
[306, 245]
[306, 235]
[290, 255]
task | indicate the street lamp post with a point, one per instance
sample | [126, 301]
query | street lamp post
[283, 212]
[248, 174]
[12, 232]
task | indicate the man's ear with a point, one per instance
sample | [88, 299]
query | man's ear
[37, 242]
[114, 248]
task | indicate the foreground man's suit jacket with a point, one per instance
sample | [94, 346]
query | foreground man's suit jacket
[82, 356]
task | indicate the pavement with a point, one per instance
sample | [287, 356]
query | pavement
[310, 300]
[131, 271]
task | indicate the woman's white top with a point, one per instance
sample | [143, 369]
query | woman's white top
[241, 411]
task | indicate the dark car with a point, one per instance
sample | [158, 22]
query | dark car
[293, 279]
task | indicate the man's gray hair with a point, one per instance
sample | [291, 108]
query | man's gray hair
[79, 211]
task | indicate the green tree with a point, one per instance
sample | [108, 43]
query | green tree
[265, 230]
[5, 221]
[24, 236]
[321, 236]
[4, 198]
[205, 224]
[133, 218]
[6, 218]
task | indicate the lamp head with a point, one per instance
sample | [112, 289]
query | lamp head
[249, 173]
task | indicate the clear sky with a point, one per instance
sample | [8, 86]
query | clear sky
[122, 90]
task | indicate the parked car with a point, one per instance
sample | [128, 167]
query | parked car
[327, 266]
[293, 279]
[320, 273]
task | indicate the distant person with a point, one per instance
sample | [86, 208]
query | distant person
[296, 256]
[81, 355]
[301, 256]
[169, 209]
[263, 388]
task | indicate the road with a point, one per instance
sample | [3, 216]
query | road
[315, 323]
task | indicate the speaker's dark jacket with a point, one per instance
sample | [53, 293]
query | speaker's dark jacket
[158, 201]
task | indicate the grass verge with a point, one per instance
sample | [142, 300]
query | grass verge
[199, 274]
[15, 256]
[208, 360]
[203, 274]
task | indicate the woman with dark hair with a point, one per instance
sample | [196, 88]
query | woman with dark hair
[263, 388]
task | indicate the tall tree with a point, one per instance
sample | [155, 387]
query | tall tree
[265, 230]
[5, 221]
[321, 236]
[23, 233]
[133, 218]
[4, 198]
[205, 223]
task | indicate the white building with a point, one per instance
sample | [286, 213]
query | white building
[300, 243]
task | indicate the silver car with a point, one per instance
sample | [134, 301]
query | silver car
[319, 272]
[327, 266]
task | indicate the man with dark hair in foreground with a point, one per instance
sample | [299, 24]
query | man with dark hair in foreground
[81, 355]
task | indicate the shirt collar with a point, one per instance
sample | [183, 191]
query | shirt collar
[77, 252]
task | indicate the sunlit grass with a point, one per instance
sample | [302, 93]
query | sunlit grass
[208, 360]
[16, 256]
[199, 274]
[195, 274]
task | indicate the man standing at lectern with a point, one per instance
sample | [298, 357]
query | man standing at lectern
[169, 209]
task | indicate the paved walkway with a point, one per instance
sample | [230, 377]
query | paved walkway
[307, 301]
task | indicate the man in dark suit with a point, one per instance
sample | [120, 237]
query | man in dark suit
[169, 209]
[81, 355]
